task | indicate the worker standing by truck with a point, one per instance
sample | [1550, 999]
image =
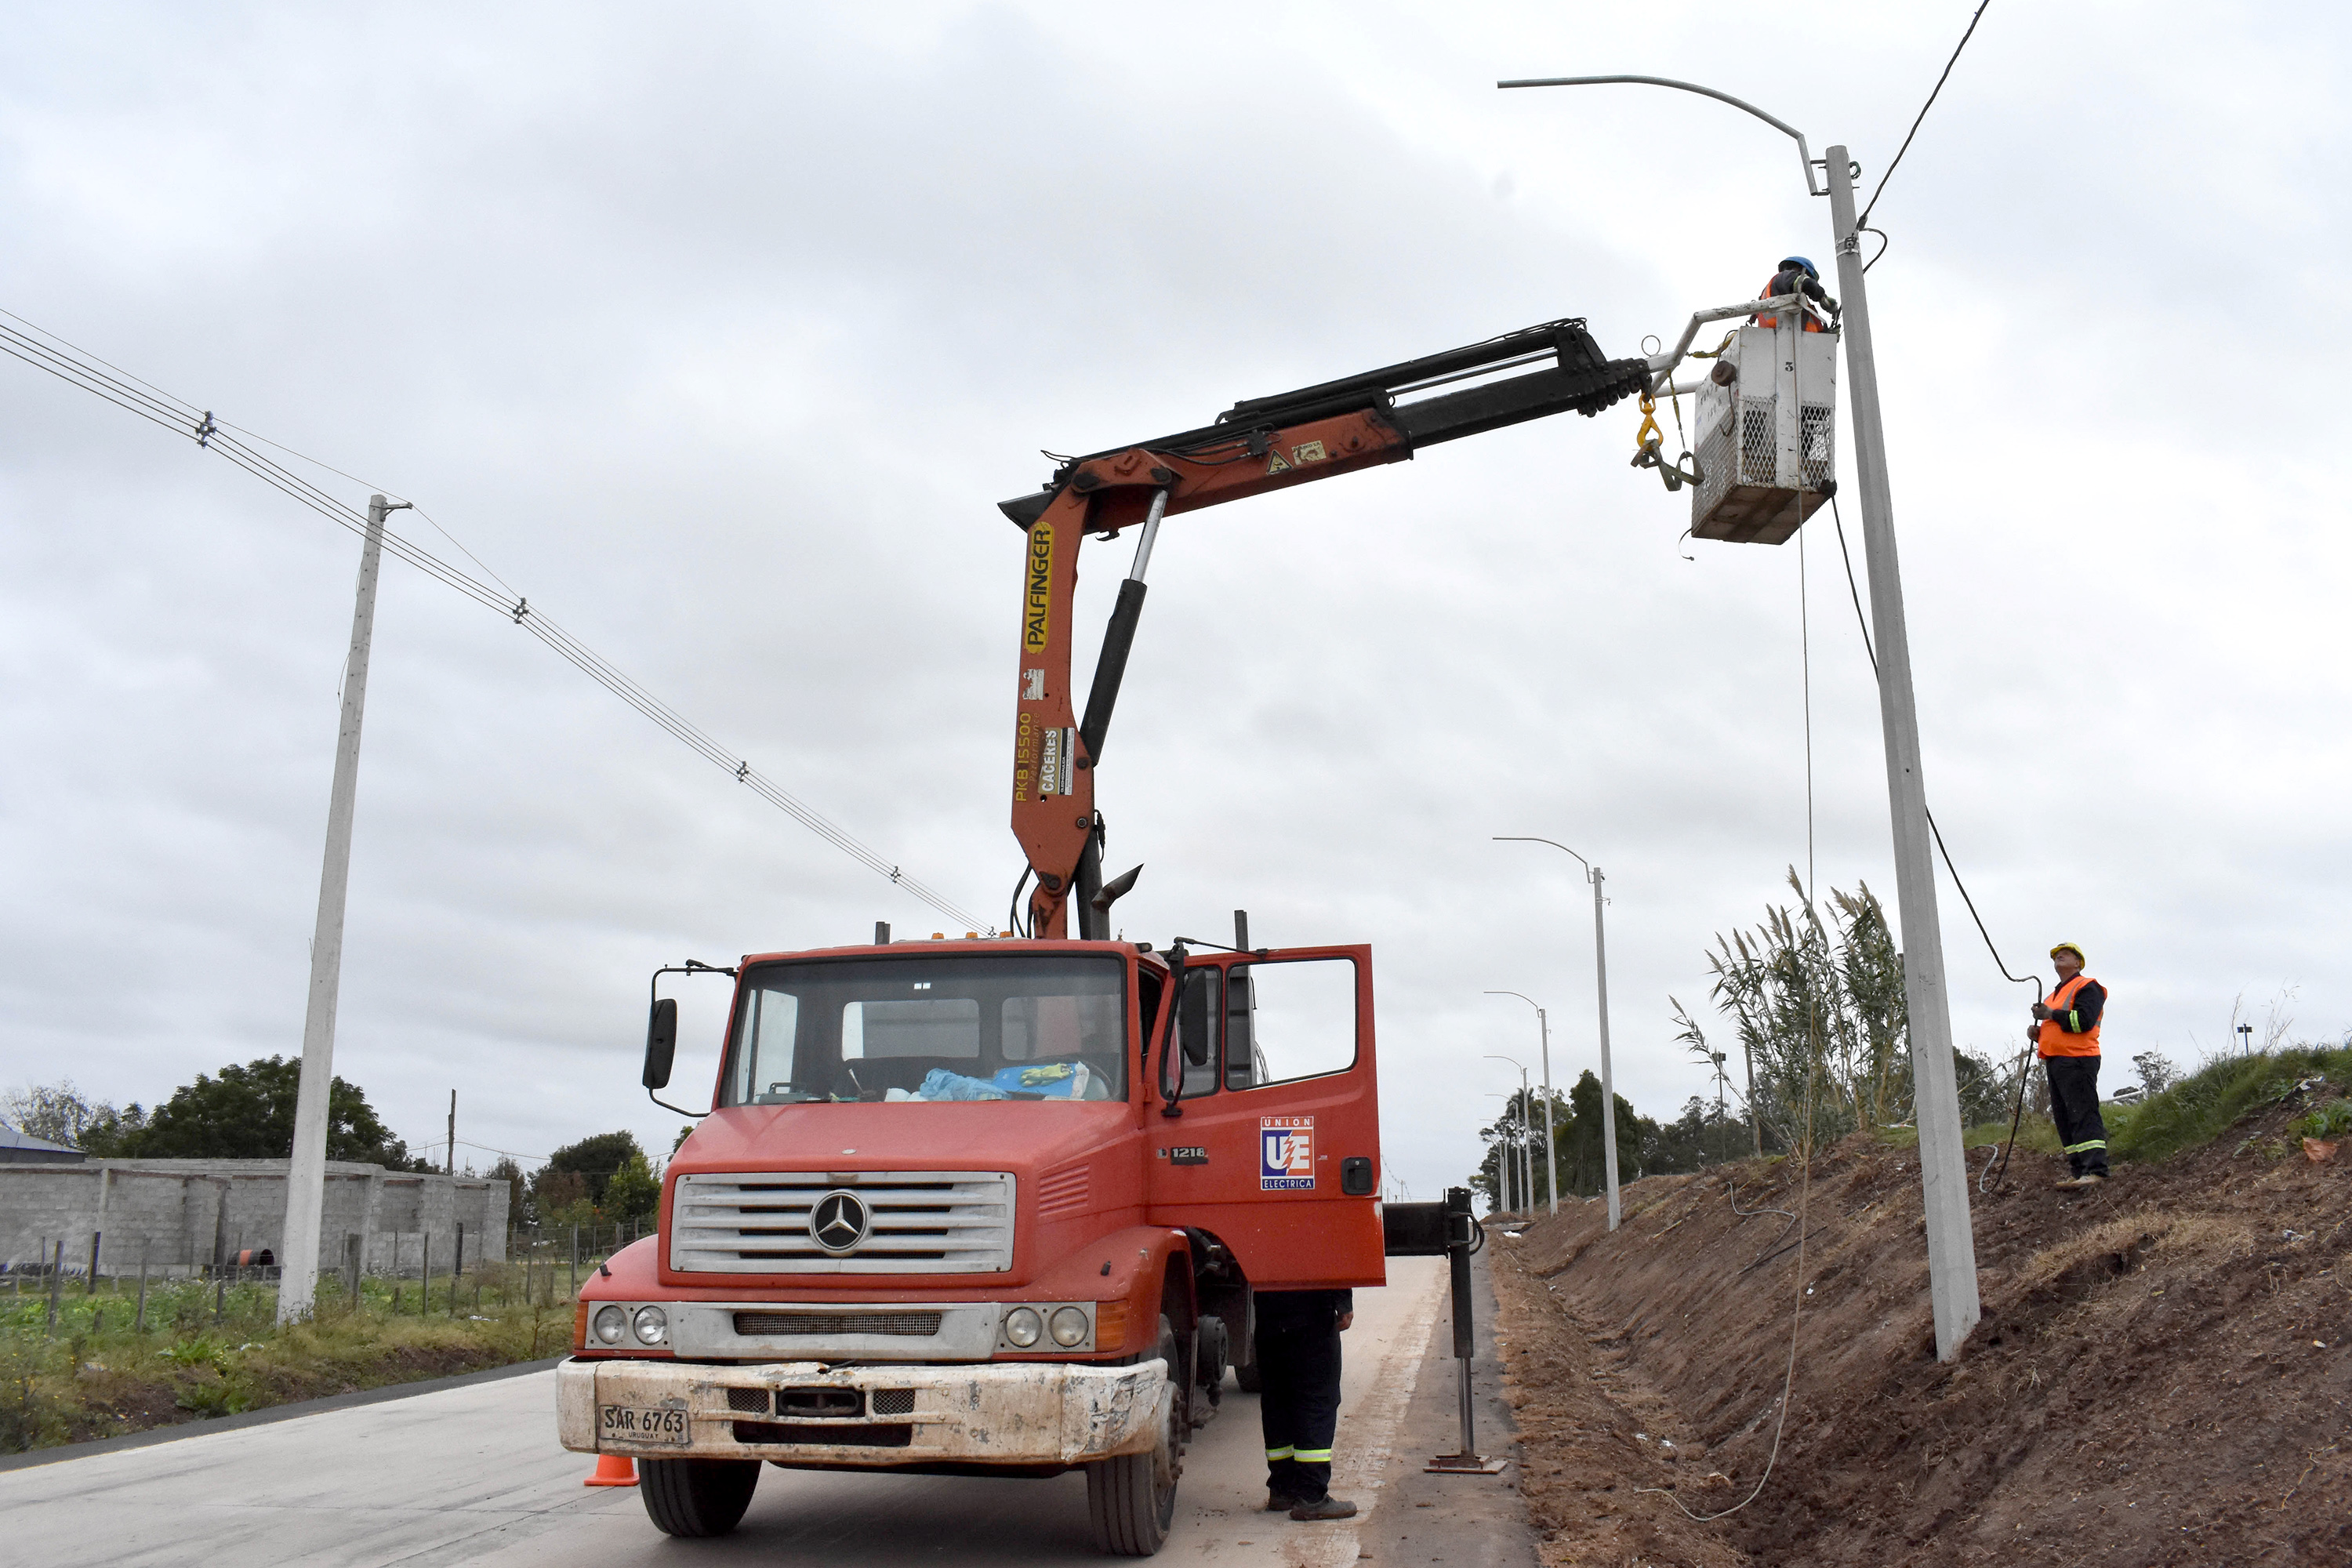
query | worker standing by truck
[1297, 1346]
[2065, 1033]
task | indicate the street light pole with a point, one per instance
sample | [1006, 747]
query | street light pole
[1551, 1154]
[1601, 985]
[1526, 1138]
[1943, 1167]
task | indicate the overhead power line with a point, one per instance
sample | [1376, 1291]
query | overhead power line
[45, 351]
[1922, 115]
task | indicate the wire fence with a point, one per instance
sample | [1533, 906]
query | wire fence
[420, 1274]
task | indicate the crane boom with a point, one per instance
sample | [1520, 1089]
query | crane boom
[1258, 445]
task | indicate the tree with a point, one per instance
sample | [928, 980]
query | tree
[1583, 1165]
[595, 1160]
[2157, 1072]
[1705, 1134]
[248, 1113]
[634, 1193]
[60, 1113]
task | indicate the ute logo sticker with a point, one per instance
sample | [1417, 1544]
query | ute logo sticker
[1037, 612]
[1286, 1153]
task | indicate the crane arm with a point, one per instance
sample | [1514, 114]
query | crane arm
[1260, 444]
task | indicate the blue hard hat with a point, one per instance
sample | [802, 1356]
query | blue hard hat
[1810, 270]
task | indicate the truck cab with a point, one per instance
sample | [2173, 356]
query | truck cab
[987, 1207]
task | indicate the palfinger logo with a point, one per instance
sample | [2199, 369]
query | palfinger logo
[1037, 612]
[840, 1221]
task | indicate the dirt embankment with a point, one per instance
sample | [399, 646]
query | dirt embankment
[2163, 1374]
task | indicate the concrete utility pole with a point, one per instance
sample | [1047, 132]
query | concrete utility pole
[452, 1169]
[1943, 1169]
[1551, 1154]
[1943, 1166]
[306, 1177]
[1600, 974]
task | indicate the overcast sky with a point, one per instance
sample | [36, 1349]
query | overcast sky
[719, 332]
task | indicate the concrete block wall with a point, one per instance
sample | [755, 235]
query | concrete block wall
[178, 1214]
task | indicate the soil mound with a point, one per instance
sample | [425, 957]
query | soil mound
[2163, 1374]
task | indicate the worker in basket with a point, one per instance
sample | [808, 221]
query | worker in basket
[1297, 1350]
[1796, 276]
[2065, 1034]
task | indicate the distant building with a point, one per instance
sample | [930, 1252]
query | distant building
[21, 1148]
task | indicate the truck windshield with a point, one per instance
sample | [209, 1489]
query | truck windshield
[1023, 1027]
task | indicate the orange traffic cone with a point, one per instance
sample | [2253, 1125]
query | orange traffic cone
[613, 1470]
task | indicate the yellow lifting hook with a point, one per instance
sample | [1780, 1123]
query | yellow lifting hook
[1649, 451]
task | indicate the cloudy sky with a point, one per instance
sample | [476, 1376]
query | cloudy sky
[719, 332]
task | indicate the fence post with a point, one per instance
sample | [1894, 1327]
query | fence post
[424, 1279]
[142, 1290]
[57, 1284]
[90, 1286]
[575, 1261]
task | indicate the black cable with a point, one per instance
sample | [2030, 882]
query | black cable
[1865, 620]
[1922, 115]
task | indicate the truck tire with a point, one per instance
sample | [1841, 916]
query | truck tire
[697, 1497]
[1131, 1500]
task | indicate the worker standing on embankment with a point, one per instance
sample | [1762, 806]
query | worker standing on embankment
[2065, 1033]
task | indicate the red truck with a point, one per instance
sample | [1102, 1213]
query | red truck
[999, 1205]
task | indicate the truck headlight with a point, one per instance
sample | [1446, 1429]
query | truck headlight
[611, 1324]
[1069, 1325]
[1022, 1326]
[652, 1325]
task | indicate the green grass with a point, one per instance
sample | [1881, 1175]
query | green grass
[2210, 1100]
[204, 1352]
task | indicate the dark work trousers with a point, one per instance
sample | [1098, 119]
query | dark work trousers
[1297, 1346]
[2075, 1106]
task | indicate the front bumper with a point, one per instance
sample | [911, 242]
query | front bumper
[1025, 1413]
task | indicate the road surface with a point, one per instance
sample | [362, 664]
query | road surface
[472, 1474]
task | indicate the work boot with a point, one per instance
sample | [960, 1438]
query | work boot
[2086, 1180]
[1324, 1508]
[1280, 1502]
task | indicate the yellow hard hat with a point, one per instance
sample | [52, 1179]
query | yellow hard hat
[2070, 947]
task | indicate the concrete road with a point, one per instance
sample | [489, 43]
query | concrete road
[473, 1475]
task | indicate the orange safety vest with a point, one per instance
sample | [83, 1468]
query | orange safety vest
[2050, 1040]
[1810, 325]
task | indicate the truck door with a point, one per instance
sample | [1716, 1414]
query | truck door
[1276, 1146]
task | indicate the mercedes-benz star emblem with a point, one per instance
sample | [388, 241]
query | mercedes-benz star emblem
[840, 1221]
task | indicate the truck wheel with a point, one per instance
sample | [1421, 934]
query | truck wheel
[697, 1497]
[1131, 1500]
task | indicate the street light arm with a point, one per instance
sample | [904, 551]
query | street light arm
[1522, 996]
[1521, 838]
[1803, 153]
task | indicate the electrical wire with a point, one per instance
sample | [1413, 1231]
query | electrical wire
[47, 351]
[1922, 116]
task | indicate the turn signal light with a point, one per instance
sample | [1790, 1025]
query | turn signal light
[1110, 1325]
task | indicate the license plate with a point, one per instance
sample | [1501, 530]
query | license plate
[659, 1423]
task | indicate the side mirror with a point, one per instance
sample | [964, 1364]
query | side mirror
[661, 1042]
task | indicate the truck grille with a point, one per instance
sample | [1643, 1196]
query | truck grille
[832, 1325]
[918, 1221]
